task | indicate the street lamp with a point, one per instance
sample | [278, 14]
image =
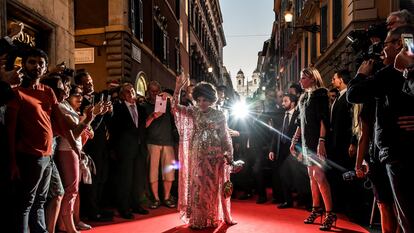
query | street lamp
[314, 28]
[288, 17]
[210, 69]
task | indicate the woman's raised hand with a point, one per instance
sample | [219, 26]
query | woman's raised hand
[181, 81]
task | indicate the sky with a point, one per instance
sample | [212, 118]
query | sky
[247, 24]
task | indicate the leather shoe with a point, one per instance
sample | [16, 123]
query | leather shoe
[284, 205]
[140, 210]
[126, 215]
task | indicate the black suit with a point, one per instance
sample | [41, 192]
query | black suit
[344, 196]
[129, 144]
[288, 172]
[98, 149]
[340, 133]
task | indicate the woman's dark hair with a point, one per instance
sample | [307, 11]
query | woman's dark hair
[206, 90]
[52, 81]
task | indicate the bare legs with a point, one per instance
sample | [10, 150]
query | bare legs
[388, 218]
[320, 186]
[52, 213]
[154, 189]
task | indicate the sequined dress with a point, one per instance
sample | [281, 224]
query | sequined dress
[204, 151]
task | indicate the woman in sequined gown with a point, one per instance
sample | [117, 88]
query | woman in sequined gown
[205, 155]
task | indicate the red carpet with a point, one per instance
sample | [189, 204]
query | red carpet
[251, 218]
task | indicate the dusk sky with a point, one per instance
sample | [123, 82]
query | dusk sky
[247, 24]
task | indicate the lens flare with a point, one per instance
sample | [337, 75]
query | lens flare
[240, 110]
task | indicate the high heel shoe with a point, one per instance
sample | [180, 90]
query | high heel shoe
[330, 220]
[316, 212]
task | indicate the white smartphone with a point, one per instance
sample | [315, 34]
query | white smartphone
[408, 42]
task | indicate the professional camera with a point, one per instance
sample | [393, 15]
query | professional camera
[349, 176]
[368, 44]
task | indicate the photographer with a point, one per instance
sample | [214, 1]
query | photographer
[385, 88]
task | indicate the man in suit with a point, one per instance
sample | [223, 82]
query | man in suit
[97, 148]
[279, 151]
[339, 140]
[128, 138]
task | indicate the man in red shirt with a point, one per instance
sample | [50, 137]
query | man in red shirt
[31, 119]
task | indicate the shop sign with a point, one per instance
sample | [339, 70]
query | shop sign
[84, 55]
[28, 35]
[136, 53]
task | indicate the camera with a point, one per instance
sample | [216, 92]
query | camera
[368, 44]
[349, 176]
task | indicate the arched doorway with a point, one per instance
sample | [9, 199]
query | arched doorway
[141, 84]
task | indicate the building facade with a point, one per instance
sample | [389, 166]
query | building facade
[48, 25]
[206, 41]
[129, 40]
[317, 35]
[142, 40]
[247, 88]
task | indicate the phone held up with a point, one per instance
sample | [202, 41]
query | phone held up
[408, 42]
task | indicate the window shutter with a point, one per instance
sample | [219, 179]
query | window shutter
[324, 27]
[141, 21]
[132, 16]
[337, 17]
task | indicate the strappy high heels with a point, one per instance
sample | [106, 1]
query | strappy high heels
[316, 212]
[330, 220]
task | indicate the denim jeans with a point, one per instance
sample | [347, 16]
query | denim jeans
[400, 175]
[35, 175]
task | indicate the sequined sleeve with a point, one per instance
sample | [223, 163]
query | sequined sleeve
[226, 142]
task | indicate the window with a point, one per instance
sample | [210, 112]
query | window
[161, 43]
[255, 81]
[306, 51]
[313, 47]
[137, 19]
[141, 84]
[337, 17]
[239, 82]
[324, 27]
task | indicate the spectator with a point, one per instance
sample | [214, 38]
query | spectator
[30, 147]
[160, 141]
[128, 138]
[393, 142]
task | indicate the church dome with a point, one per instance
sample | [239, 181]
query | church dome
[240, 72]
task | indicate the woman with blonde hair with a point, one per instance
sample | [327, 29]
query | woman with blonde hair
[313, 123]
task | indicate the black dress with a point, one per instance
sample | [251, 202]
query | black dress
[314, 108]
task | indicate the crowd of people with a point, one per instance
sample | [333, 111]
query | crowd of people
[71, 152]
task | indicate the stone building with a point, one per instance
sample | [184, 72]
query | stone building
[48, 25]
[317, 33]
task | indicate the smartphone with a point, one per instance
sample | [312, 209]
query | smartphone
[18, 62]
[101, 97]
[108, 98]
[408, 42]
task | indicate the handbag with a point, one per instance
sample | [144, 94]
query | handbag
[227, 189]
[86, 168]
